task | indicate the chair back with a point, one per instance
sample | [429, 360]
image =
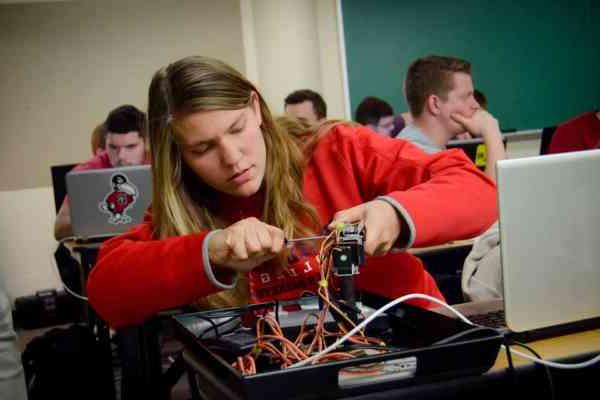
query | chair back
[59, 185]
[546, 138]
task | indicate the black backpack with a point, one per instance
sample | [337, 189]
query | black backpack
[67, 363]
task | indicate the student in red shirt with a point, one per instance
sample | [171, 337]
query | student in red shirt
[230, 185]
[579, 133]
[124, 144]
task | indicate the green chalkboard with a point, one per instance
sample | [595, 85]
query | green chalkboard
[537, 61]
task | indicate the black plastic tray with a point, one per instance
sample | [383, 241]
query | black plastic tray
[427, 346]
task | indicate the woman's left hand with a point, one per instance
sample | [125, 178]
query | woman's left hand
[381, 221]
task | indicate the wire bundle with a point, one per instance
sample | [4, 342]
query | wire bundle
[309, 341]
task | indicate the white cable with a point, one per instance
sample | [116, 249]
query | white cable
[67, 239]
[64, 285]
[372, 317]
[553, 364]
[457, 313]
[72, 293]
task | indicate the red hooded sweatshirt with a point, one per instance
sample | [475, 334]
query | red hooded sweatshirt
[441, 197]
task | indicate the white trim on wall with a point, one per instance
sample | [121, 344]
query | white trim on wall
[249, 41]
[342, 42]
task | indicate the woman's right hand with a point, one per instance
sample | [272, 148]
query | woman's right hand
[245, 245]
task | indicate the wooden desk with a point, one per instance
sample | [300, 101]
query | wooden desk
[555, 348]
[457, 244]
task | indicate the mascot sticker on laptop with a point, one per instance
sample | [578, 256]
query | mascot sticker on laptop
[122, 198]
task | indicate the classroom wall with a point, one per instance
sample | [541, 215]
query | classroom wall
[291, 45]
[51, 52]
[537, 61]
[66, 64]
[26, 241]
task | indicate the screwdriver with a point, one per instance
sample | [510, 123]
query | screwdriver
[291, 242]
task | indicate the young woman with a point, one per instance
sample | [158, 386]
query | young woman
[230, 185]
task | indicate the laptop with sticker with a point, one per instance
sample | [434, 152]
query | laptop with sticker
[106, 202]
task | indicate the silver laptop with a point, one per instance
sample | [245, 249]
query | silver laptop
[106, 202]
[549, 241]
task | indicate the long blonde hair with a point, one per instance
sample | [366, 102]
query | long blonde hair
[181, 203]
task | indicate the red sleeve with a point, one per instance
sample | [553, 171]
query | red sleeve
[455, 201]
[136, 276]
[445, 196]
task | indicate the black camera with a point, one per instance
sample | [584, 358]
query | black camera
[349, 253]
[46, 308]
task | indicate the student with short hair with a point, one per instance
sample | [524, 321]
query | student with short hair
[439, 92]
[306, 104]
[376, 114]
[230, 185]
[124, 145]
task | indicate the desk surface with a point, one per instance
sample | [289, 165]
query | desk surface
[457, 244]
[495, 384]
[555, 348]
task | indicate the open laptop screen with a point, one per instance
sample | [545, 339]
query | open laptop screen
[105, 202]
[474, 148]
[550, 239]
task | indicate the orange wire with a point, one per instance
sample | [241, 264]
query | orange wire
[290, 351]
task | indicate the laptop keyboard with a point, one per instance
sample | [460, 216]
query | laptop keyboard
[493, 319]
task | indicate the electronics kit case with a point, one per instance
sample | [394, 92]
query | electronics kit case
[424, 347]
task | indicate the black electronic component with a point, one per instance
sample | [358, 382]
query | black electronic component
[348, 253]
[236, 343]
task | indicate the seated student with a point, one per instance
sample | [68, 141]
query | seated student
[125, 144]
[306, 104]
[230, 185]
[98, 139]
[439, 92]
[376, 114]
[579, 133]
[12, 379]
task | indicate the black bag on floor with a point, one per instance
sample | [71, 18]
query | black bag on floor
[67, 363]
